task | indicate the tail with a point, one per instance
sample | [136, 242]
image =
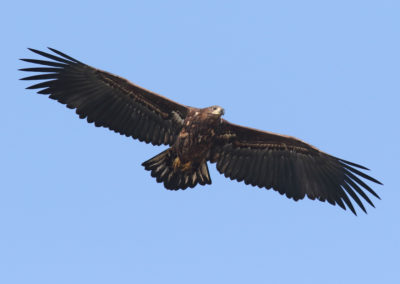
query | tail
[166, 168]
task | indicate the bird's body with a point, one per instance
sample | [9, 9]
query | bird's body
[194, 141]
[197, 136]
[185, 164]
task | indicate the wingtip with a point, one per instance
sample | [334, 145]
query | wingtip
[64, 55]
[375, 181]
[354, 164]
[53, 50]
[25, 78]
[352, 211]
[35, 50]
[26, 60]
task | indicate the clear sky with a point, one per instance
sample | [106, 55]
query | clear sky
[76, 206]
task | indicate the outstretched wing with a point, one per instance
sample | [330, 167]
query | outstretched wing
[289, 166]
[107, 100]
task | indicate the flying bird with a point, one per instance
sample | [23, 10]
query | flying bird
[196, 136]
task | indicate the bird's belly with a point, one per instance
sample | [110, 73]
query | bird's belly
[192, 147]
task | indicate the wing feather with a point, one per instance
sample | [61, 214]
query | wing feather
[289, 166]
[107, 100]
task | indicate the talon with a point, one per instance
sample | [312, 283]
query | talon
[186, 166]
[177, 165]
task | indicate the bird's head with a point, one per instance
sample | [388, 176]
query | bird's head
[216, 110]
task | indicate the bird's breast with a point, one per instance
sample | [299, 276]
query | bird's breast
[194, 141]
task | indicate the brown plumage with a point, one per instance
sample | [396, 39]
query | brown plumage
[196, 136]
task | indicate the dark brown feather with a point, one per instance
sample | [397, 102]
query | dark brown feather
[107, 100]
[289, 166]
[283, 163]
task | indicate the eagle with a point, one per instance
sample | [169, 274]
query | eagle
[196, 136]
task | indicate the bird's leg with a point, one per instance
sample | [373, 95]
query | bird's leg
[179, 166]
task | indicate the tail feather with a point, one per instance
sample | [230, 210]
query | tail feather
[162, 168]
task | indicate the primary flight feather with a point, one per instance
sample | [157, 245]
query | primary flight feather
[196, 136]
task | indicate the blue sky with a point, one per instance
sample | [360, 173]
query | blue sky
[76, 206]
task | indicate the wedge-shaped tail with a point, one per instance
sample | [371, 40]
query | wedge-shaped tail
[165, 169]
